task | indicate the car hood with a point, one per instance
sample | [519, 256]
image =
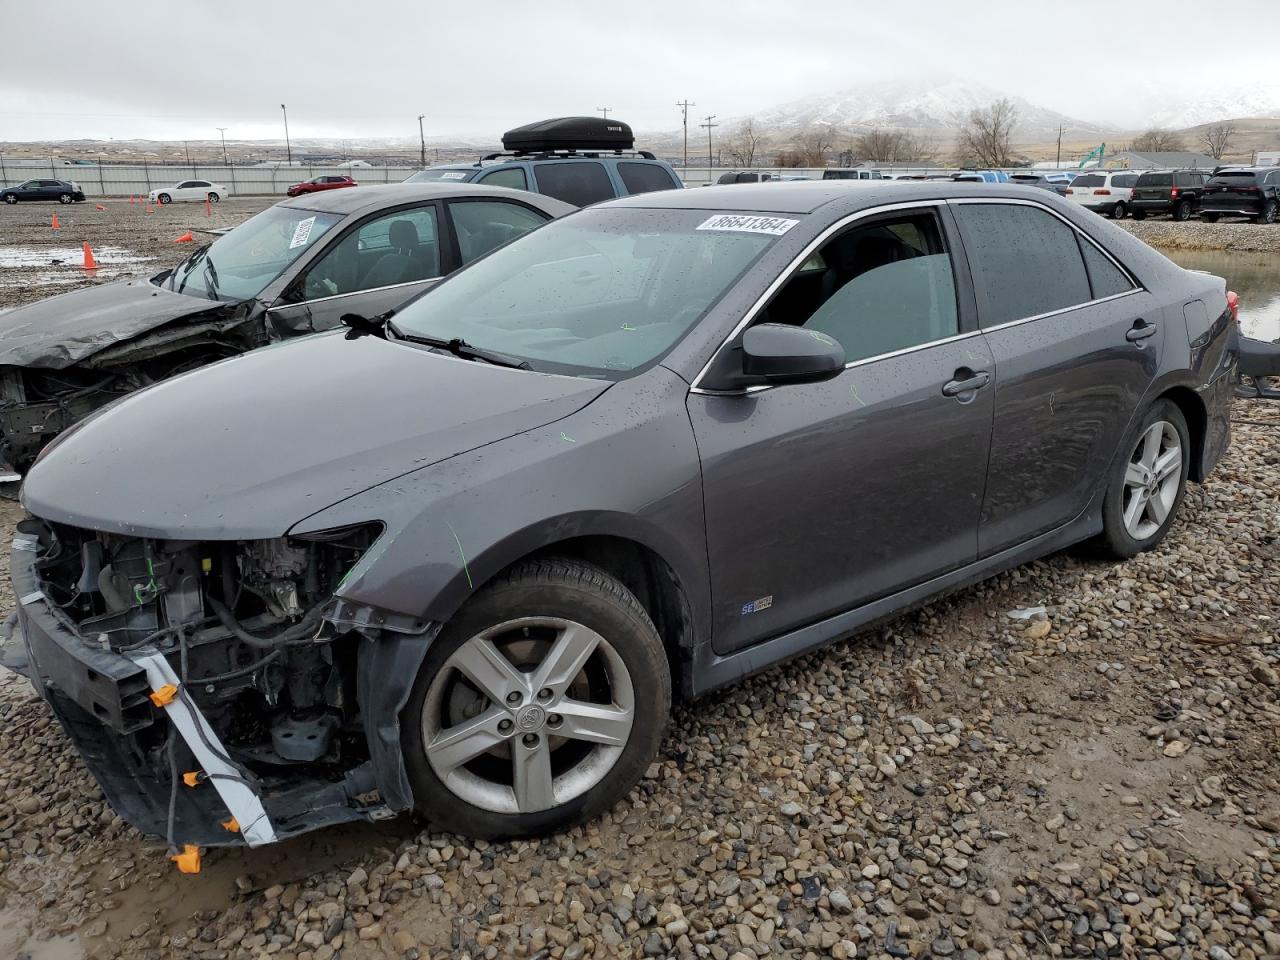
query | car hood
[246, 448]
[62, 330]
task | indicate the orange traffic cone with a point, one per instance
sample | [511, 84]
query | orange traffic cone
[89, 262]
[99, 206]
[132, 198]
[53, 224]
[208, 208]
[185, 238]
[150, 209]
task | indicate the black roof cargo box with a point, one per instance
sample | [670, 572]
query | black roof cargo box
[569, 133]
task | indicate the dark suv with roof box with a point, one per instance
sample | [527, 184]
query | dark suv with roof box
[1175, 192]
[580, 160]
[1245, 192]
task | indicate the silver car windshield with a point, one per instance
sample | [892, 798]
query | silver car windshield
[239, 264]
[603, 292]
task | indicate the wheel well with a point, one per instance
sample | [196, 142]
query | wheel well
[648, 577]
[1197, 425]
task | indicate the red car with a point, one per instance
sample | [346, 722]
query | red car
[320, 183]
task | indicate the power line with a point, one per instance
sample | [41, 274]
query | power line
[708, 127]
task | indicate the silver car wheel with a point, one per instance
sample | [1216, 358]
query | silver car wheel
[528, 715]
[1152, 480]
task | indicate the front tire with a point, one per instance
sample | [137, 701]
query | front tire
[539, 705]
[1147, 482]
[164, 198]
[10, 198]
[64, 198]
[1209, 217]
[214, 198]
[1139, 214]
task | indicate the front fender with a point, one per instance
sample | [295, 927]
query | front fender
[607, 470]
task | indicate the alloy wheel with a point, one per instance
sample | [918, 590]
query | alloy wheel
[528, 715]
[64, 198]
[1152, 480]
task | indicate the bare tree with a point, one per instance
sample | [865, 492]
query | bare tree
[1217, 139]
[916, 149]
[878, 144]
[746, 143]
[984, 138]
[789, 158]
[815, 143]
[1156, 140]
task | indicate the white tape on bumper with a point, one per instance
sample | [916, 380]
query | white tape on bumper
[239, 797]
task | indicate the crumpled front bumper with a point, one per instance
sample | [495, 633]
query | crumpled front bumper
[102, 700]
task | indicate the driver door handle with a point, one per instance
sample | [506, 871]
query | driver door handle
[1140, 331]
[966, 381]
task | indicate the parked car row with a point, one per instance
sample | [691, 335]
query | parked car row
[461, 554]
[1249, 192]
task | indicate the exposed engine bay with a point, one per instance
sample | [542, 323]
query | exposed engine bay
[261, 655]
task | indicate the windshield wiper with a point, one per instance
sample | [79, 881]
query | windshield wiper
[186, 266]
[460, 348]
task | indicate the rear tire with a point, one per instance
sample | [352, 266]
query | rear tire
[1147, 482]
[1118, 211]
[1182, 210]
[1139, 214]
[1209, 217]
[533, 766]
[1268, 214]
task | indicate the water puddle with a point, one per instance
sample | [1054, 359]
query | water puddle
[58, 266]
[15, 942]
[1255, 276]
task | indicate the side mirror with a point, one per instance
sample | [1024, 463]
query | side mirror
[782, 353]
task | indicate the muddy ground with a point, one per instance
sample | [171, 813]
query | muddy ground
[1099, 780]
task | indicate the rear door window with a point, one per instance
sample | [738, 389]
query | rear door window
[580, 182]
[1124, 180]
[645, 177]
[483, 225]
[1105, 278]
[1155, 180]
[1025, 261]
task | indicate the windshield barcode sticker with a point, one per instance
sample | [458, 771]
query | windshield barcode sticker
[453, 175]
[776, 226]
[302, 232]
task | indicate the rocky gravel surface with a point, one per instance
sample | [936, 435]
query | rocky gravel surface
[979, 779]
[1234, 235]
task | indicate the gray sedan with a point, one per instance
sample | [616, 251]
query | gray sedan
[654, 446]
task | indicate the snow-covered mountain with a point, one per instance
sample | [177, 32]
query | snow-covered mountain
[930, 106]
[1236, 104]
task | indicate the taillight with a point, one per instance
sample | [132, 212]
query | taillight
[1070, 191]
[1249, 190]
[1102, 192]
[1233, 304]
[1174, 193]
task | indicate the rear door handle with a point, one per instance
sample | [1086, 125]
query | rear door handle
[1140, 331]
[974, 381]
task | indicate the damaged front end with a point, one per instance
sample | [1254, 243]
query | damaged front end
[219, 691]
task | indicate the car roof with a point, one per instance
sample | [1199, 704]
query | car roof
[807, 196]
[365, 199]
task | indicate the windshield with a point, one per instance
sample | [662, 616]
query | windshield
[601, 293]
[435, 173]
[239, 264]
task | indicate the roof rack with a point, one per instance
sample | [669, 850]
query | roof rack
[589, 152]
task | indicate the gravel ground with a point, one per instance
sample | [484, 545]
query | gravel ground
[37, 261]
[1235, 235]
[1100, 781]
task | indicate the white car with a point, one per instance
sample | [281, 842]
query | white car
[1106, 191]
[189, 190]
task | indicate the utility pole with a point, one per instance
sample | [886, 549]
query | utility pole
[288, 148]
[1058, 162]
[186, 145]
[422, 139]
[684, 106]
[222, 132]
[708, 125]
[604, 111]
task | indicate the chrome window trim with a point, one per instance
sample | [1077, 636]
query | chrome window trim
[783, 276]
[353, 293]
[890, 208]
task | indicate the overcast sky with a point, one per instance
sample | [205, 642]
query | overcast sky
[156, 69]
